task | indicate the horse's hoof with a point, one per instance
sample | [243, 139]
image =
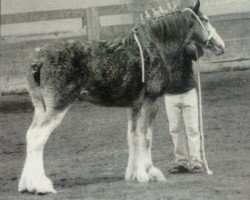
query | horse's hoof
[142, 177]
[39, 185]
[156, 175]
[129, 175]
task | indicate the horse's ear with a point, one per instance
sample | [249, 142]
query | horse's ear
[197, 7]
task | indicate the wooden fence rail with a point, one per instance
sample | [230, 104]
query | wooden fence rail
[93, 18]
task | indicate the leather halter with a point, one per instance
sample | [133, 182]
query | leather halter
[209, 35]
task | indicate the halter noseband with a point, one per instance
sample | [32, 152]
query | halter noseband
[209, 35]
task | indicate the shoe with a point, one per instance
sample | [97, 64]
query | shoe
[178, 169]
[196, 168]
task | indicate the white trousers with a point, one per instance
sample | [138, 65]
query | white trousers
[182, 112]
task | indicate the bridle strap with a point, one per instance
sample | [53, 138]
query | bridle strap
[142, 57]
[209, 36]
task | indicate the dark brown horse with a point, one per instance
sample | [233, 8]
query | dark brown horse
[111, 73]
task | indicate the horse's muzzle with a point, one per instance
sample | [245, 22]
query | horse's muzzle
[215, 47]
[221, 50]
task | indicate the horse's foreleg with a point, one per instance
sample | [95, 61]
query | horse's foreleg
[33, 178]
[132, 145]
[154, 173]
[145, 169]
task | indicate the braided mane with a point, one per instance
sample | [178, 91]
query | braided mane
[169, 27]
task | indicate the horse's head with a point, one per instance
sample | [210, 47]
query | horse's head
[202, 32]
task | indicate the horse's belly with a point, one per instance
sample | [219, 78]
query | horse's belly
[109, 102]
[121, 96]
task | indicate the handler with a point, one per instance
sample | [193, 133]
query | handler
[182, 110]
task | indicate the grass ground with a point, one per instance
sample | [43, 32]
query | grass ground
[86, 156]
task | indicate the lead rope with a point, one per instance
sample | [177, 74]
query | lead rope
[142, 57]
[209, 172]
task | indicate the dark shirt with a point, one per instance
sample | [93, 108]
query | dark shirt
[182, 79]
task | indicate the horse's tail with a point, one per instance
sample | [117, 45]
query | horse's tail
[35, 70]
[34, 80]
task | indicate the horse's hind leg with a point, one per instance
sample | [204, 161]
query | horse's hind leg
[33, 178]
[39, 110]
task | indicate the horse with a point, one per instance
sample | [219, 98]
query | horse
[111, 73]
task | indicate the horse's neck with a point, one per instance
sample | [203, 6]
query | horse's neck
[171, 31]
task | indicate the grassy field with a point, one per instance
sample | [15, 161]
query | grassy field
[86, 156]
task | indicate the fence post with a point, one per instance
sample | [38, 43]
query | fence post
[93, 24]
